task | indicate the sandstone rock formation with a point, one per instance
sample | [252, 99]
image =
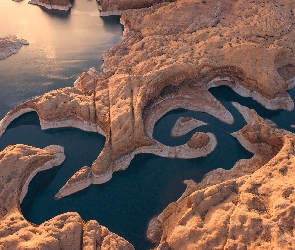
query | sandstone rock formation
[18, 165]
[248, 211]
[185, 125]
[163, 64]
[115, 7]
[53, 4]
[10, 45]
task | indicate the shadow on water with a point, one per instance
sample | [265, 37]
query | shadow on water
[61, 14]
[127, 202]
[110, 21]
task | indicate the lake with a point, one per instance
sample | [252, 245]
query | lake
[62, 46]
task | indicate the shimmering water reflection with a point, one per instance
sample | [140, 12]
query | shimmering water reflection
[62, 46]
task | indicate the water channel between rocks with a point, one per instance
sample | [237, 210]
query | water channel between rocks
[132, 197]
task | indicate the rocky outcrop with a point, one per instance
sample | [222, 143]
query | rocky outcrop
[252, 210]
[18, 165]
[185, 125]
[10, 45]
[115, 7]
[163, 63]
[53, 4]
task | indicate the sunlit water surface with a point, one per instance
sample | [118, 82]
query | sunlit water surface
[61, 47]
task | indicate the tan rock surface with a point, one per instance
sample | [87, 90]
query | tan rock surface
[185, 125]
[115, 7]
[10, 45]
[18, 164]
[164, 63]
[251, 211]
[53, 4]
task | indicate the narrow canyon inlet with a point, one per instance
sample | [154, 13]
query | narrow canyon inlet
[125, 128]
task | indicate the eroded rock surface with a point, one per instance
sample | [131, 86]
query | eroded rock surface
[53, 4]
[185, 125]
[243, 211]
[115, 7]
[18, 165]
[10, 45]
[163, 63]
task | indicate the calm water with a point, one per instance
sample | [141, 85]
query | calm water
[62, 46]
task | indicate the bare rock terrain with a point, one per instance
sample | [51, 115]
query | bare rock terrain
[18, 165]
[163, 64]
[170, 55]
[115, 7]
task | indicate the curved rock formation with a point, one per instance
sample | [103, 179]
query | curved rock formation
[10, 45]
[53, 4]
[251, 210]
[18, 165]
[185, 125]
[162, 64]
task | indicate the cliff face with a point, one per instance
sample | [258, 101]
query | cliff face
[18, 165]
[115, 7]
[254, 211]
[53, 4]
[163, 63]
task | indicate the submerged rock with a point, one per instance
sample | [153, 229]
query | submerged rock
[10, 45]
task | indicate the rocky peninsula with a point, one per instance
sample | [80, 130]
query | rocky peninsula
[237, 209]
[53, 4]
[185, 125]
[165, 63]
[18, 165]
[10, 45]
[161, 65]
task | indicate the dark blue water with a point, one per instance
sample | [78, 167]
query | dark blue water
[71, 44]
[134, 196]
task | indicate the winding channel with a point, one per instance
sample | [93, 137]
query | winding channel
[126, 203]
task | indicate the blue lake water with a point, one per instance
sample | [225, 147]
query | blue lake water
[71, 44]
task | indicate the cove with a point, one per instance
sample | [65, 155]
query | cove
[132, 197]
[127, 202]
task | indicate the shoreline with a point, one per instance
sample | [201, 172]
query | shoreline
[49, 6]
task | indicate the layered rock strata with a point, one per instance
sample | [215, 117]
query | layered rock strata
[18, 165]
[53, 4]
[162, 64]
[10, 45]
[251, 210]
